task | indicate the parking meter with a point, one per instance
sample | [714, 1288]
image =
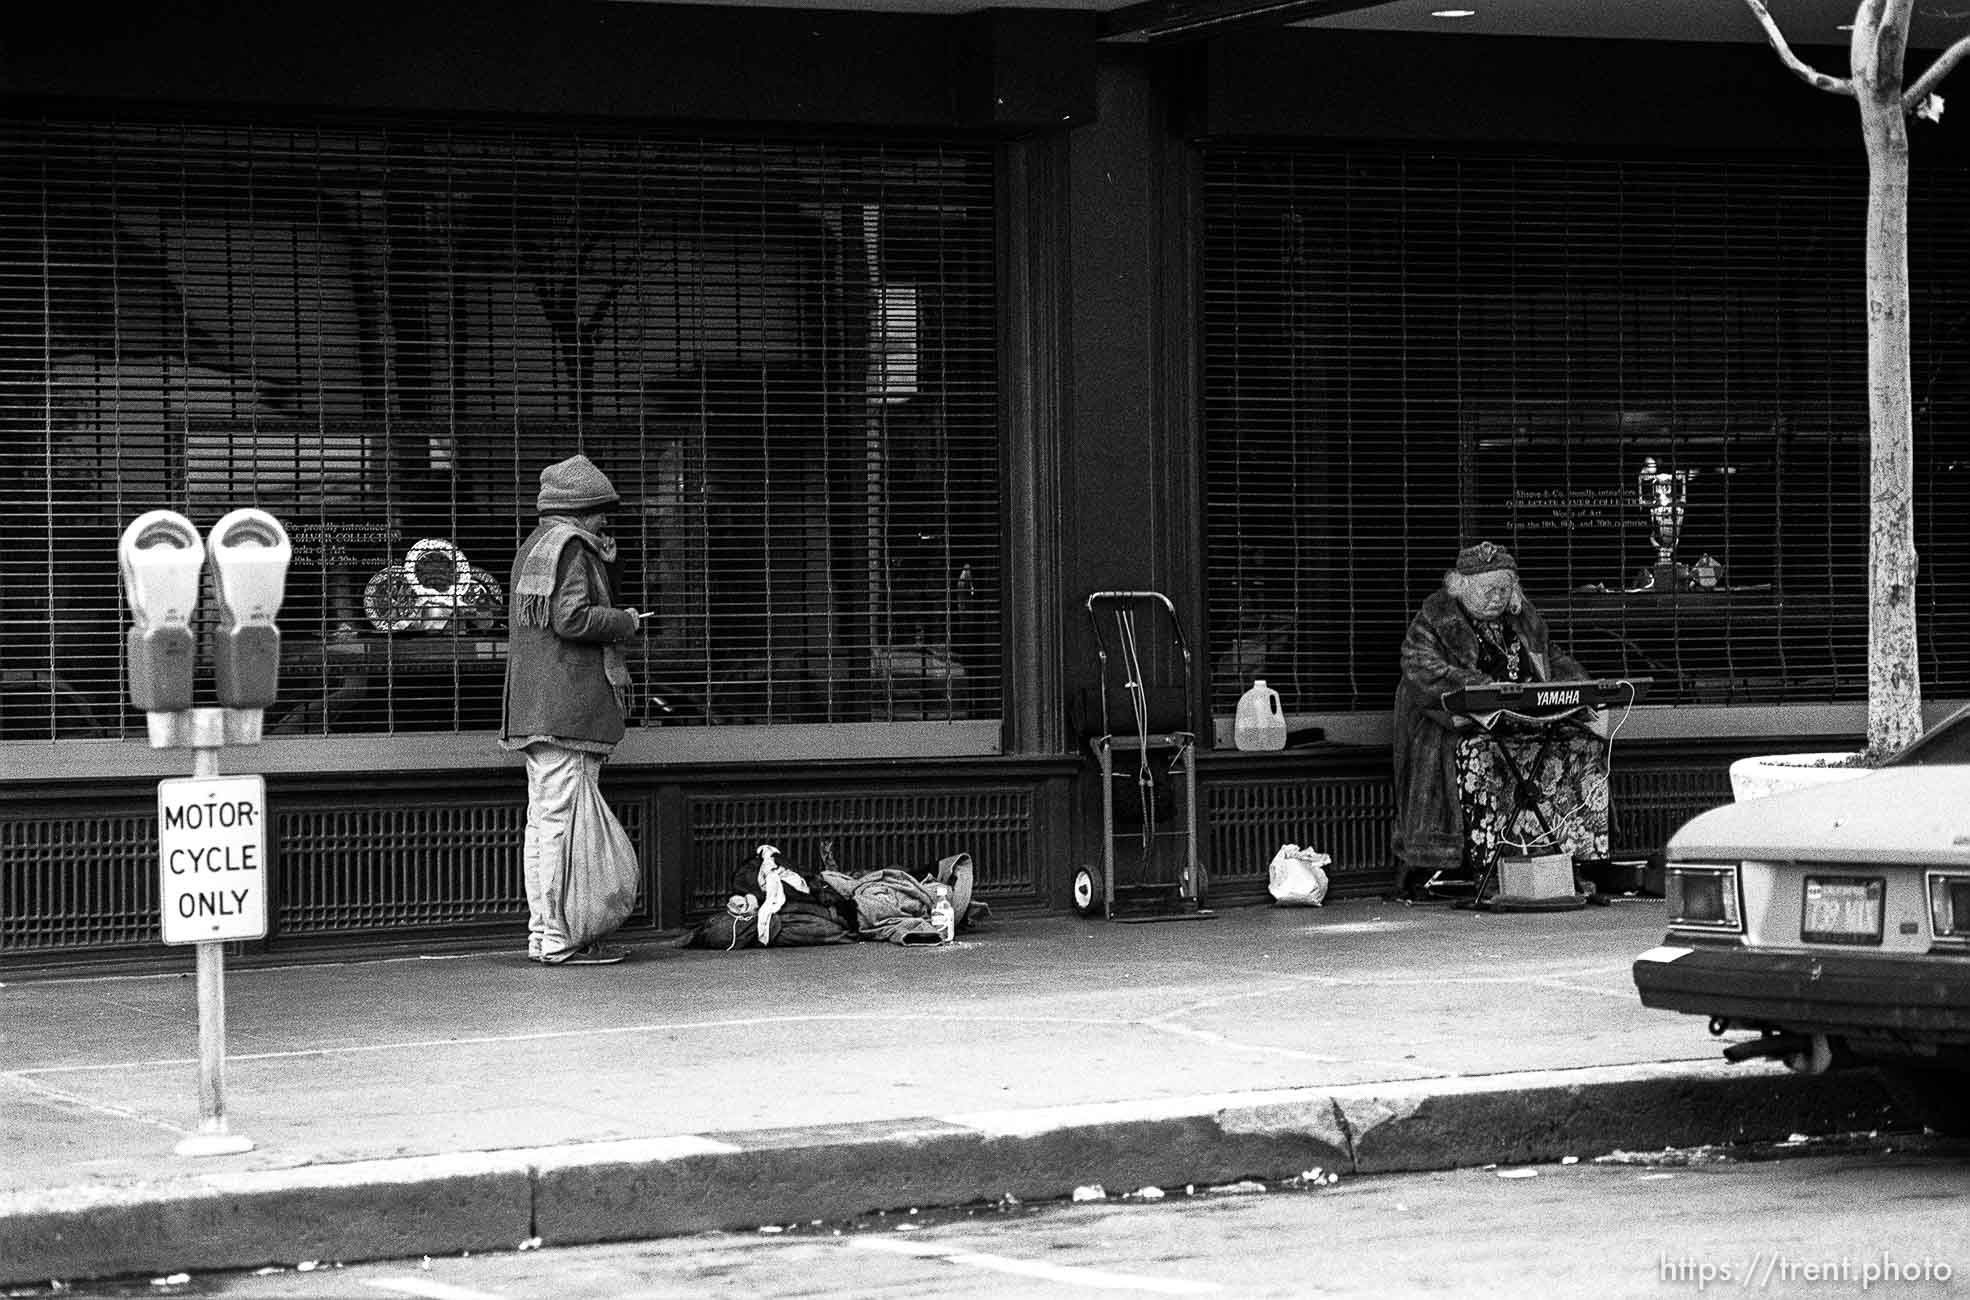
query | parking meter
[159, 558]
[250, 552]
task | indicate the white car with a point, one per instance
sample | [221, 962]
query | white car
[1835, 923]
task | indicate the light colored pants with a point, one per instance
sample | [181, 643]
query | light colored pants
[555, 778]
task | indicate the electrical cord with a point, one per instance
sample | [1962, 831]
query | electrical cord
[1606, 764]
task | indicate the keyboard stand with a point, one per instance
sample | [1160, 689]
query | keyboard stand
[1525, 790]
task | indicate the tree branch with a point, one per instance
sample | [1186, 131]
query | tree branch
[1926, 84]
[1811, 76]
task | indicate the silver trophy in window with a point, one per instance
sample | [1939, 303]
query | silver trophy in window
[1663, 496]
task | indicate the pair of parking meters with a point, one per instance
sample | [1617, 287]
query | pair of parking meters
[161, 558]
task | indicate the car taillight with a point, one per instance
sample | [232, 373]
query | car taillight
[1702, 897]
[1949, 907]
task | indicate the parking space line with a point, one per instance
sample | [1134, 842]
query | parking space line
[430, 1290]
[1092, 1278]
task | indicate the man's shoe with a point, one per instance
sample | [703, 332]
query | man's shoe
[592, 954]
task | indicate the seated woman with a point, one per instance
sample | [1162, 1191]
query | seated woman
[1455, 805]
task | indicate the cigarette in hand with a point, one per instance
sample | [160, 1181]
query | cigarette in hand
[646, 614]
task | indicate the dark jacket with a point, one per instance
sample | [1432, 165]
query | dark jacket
[557, 684]
[1440, 652]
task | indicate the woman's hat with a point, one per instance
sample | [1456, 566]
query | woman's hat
[574, 486]
[1485, 558]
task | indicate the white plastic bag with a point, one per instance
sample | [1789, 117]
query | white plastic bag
[598, 889]
[1299, 876]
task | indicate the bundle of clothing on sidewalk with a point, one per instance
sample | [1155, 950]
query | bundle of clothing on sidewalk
[777, 904]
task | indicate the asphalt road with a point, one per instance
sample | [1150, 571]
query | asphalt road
[1886, 1220]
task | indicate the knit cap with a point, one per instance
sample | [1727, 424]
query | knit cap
[1485, 558]
[574, 486]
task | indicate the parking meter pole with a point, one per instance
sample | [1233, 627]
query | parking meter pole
[208, 736]
[212, 1139]
[159, 560]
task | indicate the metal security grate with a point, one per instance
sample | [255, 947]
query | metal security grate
[77, 879]
[782, 350]
[367, 868]
[76, 882]
[1651, 801]
[1406, 350]
[1347, 818]
[901, 828]
[347, 870]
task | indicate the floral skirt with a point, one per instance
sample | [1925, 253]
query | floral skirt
[1572, 772]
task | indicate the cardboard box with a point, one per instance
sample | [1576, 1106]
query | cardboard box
[1547, 876]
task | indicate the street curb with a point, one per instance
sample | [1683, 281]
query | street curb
[659, 1187]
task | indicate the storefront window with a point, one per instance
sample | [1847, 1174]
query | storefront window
[782, 352]
[1646, 377]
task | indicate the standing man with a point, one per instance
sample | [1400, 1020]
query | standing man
[566, 685]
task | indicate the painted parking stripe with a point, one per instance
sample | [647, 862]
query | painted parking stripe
[423, 1286]
[1092, 1278]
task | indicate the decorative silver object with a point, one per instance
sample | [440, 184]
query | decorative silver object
[1664, 495]
[434, 588]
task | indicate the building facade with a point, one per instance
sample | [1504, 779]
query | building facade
[901, 335]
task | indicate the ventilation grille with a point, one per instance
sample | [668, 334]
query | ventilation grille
[1350, 819]
[75, 881]
[351, 870]
[863, 831]
[1346, 818]
[78, 882]
[1651, 802]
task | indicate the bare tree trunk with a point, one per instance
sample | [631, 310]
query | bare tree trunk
[1894, 680]
[1876, 53]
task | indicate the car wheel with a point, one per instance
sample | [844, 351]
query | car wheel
[1933, 1095]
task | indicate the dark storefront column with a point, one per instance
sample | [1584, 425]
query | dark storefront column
[1130, 518]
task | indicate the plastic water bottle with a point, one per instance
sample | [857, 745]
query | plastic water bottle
[942, 914]
[1260, 722]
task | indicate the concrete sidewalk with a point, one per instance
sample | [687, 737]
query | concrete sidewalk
[412, 1106]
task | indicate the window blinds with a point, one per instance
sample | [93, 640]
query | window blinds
[782, 351]
[1408, 351]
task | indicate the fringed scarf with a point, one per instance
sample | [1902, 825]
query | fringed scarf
[533, 584]
[533, 587]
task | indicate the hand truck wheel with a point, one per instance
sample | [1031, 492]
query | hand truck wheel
[1199, 884]
[1088, 900]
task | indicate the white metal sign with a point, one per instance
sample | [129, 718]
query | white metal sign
[212, 858]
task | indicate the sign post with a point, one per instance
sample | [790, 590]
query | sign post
[211, 829]
[212, 853]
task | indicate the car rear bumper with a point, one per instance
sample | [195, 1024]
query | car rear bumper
[1925, 997]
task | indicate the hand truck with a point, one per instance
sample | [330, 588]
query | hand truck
[1142, 736]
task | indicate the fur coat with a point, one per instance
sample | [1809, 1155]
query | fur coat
[1440, 653]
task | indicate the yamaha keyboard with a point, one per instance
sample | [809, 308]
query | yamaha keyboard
[1543, 700]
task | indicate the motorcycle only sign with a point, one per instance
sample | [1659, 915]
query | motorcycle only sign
[212, 856]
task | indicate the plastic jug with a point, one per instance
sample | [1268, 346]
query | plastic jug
[942, 914]
[1260, 723]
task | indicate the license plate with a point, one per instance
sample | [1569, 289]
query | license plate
[1842, 909]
